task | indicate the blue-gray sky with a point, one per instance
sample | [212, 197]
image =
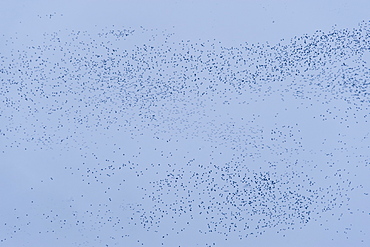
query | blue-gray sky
[184, 123]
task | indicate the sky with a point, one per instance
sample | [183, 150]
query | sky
[184, 123]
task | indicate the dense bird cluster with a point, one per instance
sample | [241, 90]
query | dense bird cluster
[180, 137]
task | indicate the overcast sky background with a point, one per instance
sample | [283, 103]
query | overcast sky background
[89, 168]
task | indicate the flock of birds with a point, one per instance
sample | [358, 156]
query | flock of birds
[187, 138]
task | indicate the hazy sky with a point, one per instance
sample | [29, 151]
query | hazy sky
[184, 123]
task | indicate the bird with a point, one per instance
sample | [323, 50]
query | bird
[182, 137]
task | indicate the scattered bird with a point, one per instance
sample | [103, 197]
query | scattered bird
[184, 136]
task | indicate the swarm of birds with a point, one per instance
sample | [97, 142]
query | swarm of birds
[185, 137]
